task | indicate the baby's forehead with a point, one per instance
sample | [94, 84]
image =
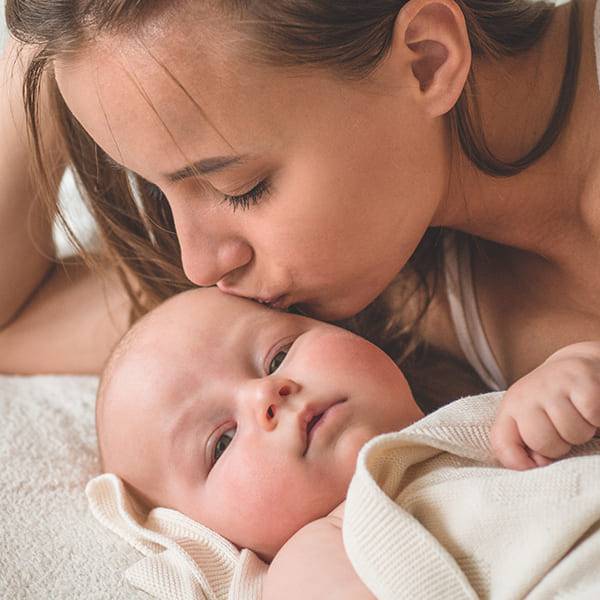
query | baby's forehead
[207, 313]
[199, 329]
[201, 321]
[208, 306]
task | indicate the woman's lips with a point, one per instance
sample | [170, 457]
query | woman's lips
[279, 303]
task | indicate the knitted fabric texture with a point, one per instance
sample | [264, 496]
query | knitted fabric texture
[431, 514]
[183, 559]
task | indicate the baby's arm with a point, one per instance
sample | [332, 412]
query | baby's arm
[554, 407]
[313, 565]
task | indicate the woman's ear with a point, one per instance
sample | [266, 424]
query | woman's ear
[434, 36]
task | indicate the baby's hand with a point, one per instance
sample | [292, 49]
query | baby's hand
[554, 407]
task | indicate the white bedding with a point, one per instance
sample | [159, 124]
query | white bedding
[52, 546]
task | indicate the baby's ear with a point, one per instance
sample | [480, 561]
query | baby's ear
[434, 34]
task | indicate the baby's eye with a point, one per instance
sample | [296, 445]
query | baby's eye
[277, 360]
[222, 443]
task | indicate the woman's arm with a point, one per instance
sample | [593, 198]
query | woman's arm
[55, 317]
[69, 325]
[26, 247]
[313, 565]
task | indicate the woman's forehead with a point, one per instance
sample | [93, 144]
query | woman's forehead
[154, 107]
[128, 94]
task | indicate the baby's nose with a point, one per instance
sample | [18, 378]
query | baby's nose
[270, 394]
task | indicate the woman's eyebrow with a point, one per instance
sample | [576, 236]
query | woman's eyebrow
[205, 166]
[200, 167]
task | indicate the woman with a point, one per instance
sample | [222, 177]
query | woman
[309, 150]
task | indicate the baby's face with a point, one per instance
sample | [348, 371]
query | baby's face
[246, 419]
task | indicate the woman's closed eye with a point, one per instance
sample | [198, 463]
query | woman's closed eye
[251, 198]
[223, 442]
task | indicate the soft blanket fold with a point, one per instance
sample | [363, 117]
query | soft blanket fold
[430, 514]
[184, 560]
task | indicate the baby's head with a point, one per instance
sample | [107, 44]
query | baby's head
[246, 419]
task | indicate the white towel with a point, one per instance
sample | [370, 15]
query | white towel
[52, 546]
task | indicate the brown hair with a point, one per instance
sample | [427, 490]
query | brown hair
[349, 37]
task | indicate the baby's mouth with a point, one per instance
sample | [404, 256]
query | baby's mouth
[315, 421]
[309, 427]
[312, 423]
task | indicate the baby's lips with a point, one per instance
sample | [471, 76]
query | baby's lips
[310, 417]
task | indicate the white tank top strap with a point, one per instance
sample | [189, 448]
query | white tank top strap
[465, 313]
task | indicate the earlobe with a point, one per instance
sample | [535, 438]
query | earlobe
[435, 35]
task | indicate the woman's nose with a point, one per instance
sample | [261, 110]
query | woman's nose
[208, 263]
[209, 256]
[268, 396]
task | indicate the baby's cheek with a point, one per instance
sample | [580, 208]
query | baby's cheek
[278, 495]
[276, 508]
[348, 448]
[269, 486]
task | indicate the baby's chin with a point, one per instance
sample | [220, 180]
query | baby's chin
[269, 546]
[267, 551]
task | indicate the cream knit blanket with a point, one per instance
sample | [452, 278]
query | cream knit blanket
[429, 516]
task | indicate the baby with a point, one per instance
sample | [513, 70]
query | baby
[250, 420]
[211, 399]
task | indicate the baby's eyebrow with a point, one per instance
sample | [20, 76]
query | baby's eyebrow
[186, 438]
[206, 166]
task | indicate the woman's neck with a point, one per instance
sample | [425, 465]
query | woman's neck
[516, 98]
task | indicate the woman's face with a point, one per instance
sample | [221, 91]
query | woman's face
[288, 187]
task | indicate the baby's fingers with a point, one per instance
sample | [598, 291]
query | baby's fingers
[539, 460]
[587, 403]
[508, 446]
[541, 434]
[570, 424]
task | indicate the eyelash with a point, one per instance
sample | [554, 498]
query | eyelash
[215, 449]
[270, 371]
[249, 199]
[285, 349]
